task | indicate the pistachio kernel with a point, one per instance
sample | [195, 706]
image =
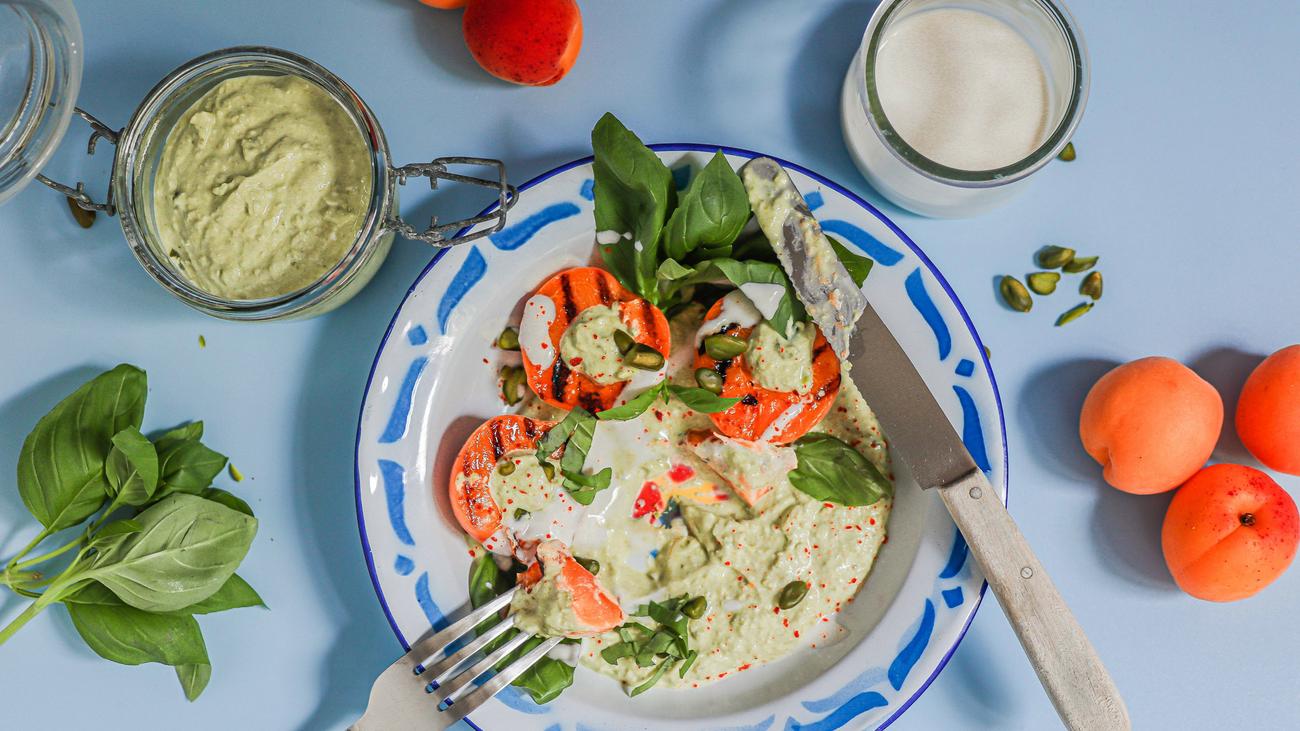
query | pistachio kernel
[506, 468]
[1054, 257]
[791, 594]
[696, 607]
[1043, 282]
[1091, 286]
[508, 339]
[1073, 313]
[84, 218]
[1080, 264]
[1067, 153]
[1015, 294]
[623, 341]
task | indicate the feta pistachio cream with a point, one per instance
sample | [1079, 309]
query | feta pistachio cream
[673, 521]
[262, 187]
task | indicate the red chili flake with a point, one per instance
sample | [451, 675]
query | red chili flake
[796, 634]
[726, 563]
[827, 505]
[575, 361]
[853, 580]
[485, 361]
[743, 667]
[776, 610]
[785, 622]
[659, 415]
[871, 521]
[546, 346]
[648, 501]
[510, 500]
[681, 473]
[721, 675]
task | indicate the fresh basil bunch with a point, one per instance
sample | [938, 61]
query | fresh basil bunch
[159, 544]
[678, 242]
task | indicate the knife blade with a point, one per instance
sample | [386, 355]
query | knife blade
[833, 299]
[921, 436]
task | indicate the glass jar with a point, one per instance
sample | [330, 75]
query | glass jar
[911, 180]
[139, 150]
[40, 74]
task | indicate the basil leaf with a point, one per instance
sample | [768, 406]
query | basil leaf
[234, 594]
[616, 652]
[552, 440]
[710, 214]
[183, 433]
[131, 468]
[705, 402]
[484, 575]
[634, 407]
[117, 528]
[130, 636]
[194, 678]
[61, 465]
[583, 488]
[234, 502]
[856, 265]
[832, 471]
[186, 549]
[633, 192]
[186, 466]
[545, 680]
[658, 673]
[575, 450]
[789, 310]
[670, 269]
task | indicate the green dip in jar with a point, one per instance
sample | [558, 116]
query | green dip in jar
[262, 188]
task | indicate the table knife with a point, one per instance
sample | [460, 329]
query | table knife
[921, 436]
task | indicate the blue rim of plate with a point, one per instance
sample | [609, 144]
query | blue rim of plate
[692, 147]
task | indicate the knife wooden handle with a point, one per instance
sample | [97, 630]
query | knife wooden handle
[1068, 667]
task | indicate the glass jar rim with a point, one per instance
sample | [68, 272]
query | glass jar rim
[140, 129]
[1062, 21]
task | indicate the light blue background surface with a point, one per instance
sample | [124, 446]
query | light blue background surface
[1185, 185]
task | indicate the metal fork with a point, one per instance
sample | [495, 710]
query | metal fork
[402, 696]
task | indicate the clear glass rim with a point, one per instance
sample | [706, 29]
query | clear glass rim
[128, 165]
[1062, 20]
[26, 150]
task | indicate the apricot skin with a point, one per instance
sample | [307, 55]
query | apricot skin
[445, 4]
[1151, 424]
[1230, 531]
[530, 42]
[1268, 412]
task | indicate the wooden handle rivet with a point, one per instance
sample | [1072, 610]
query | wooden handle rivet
[1026, 573]
[976, 493]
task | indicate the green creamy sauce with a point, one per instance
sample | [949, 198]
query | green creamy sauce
[525, 487]
[738, 557]
[263, 187]
[779, 363]
[588, 345]
[546, 609]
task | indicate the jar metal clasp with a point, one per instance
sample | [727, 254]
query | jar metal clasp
[78, 194]
[442, 235]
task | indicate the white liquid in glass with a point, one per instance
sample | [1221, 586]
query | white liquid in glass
[963, 88]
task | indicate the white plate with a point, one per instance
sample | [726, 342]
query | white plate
[434, 380]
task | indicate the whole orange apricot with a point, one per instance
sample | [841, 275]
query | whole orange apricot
[1230, 531]
[1151, 424]
[1268, 412]
[531, 42]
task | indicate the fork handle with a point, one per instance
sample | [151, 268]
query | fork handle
[1067, 665]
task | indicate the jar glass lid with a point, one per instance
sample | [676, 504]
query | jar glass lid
[40, 74]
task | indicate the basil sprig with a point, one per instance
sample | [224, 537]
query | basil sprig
[163, 545]
[832, 471]
[665, 645]
[698, 399]
[574, 434]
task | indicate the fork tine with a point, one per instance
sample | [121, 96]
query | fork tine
[434, 645]
[438, 672]
[452, 688]
[508, 674]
